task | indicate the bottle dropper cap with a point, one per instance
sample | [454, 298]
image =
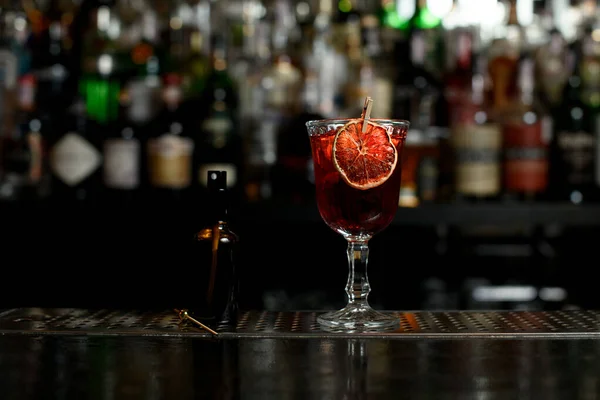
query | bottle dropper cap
[217, 187]
[216, 180]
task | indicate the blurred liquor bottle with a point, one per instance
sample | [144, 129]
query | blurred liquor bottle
[503, 55]
[424, 86]
[22, 149]
[422, 178]
[459, 65]
[52, 62]
[75, 156]
[552, 70]
[13, 62]
[279, 92]
[428, 21]
[526, 136]
[170, 148]
[124, 144]
[587, 51]
[395, 18]
[420, 168]
[187, 35]
[396, 14]
[574, 152]
[503, 62]
[292, 174]
[146, 53]
[477, 143]
[256, 128]
[589, 148]
[71, 106]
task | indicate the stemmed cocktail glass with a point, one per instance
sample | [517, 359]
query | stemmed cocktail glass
[357, 178]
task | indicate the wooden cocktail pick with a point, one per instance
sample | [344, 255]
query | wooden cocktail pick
[184, 315]
[366, 113]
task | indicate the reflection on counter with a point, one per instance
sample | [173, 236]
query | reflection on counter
[143, 367]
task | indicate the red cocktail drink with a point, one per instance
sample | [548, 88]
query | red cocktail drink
[357, 164]
[348, 210]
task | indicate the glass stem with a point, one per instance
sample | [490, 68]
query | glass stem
[358, 287]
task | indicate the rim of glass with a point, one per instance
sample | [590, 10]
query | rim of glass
[344, 121]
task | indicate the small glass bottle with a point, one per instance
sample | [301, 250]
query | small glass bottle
[215, 297]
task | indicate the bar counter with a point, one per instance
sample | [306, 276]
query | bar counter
[131, 354]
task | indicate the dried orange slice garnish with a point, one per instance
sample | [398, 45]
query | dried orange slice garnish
[364, 160]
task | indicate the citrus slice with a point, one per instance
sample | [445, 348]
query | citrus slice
[364, 160]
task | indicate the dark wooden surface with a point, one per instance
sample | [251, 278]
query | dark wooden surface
[93, 363]
[80, 367]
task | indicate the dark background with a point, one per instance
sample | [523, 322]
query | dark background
[431, 257]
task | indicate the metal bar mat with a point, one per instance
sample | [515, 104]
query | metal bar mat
[268, 324]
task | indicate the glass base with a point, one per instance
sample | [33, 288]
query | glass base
[358, 318]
